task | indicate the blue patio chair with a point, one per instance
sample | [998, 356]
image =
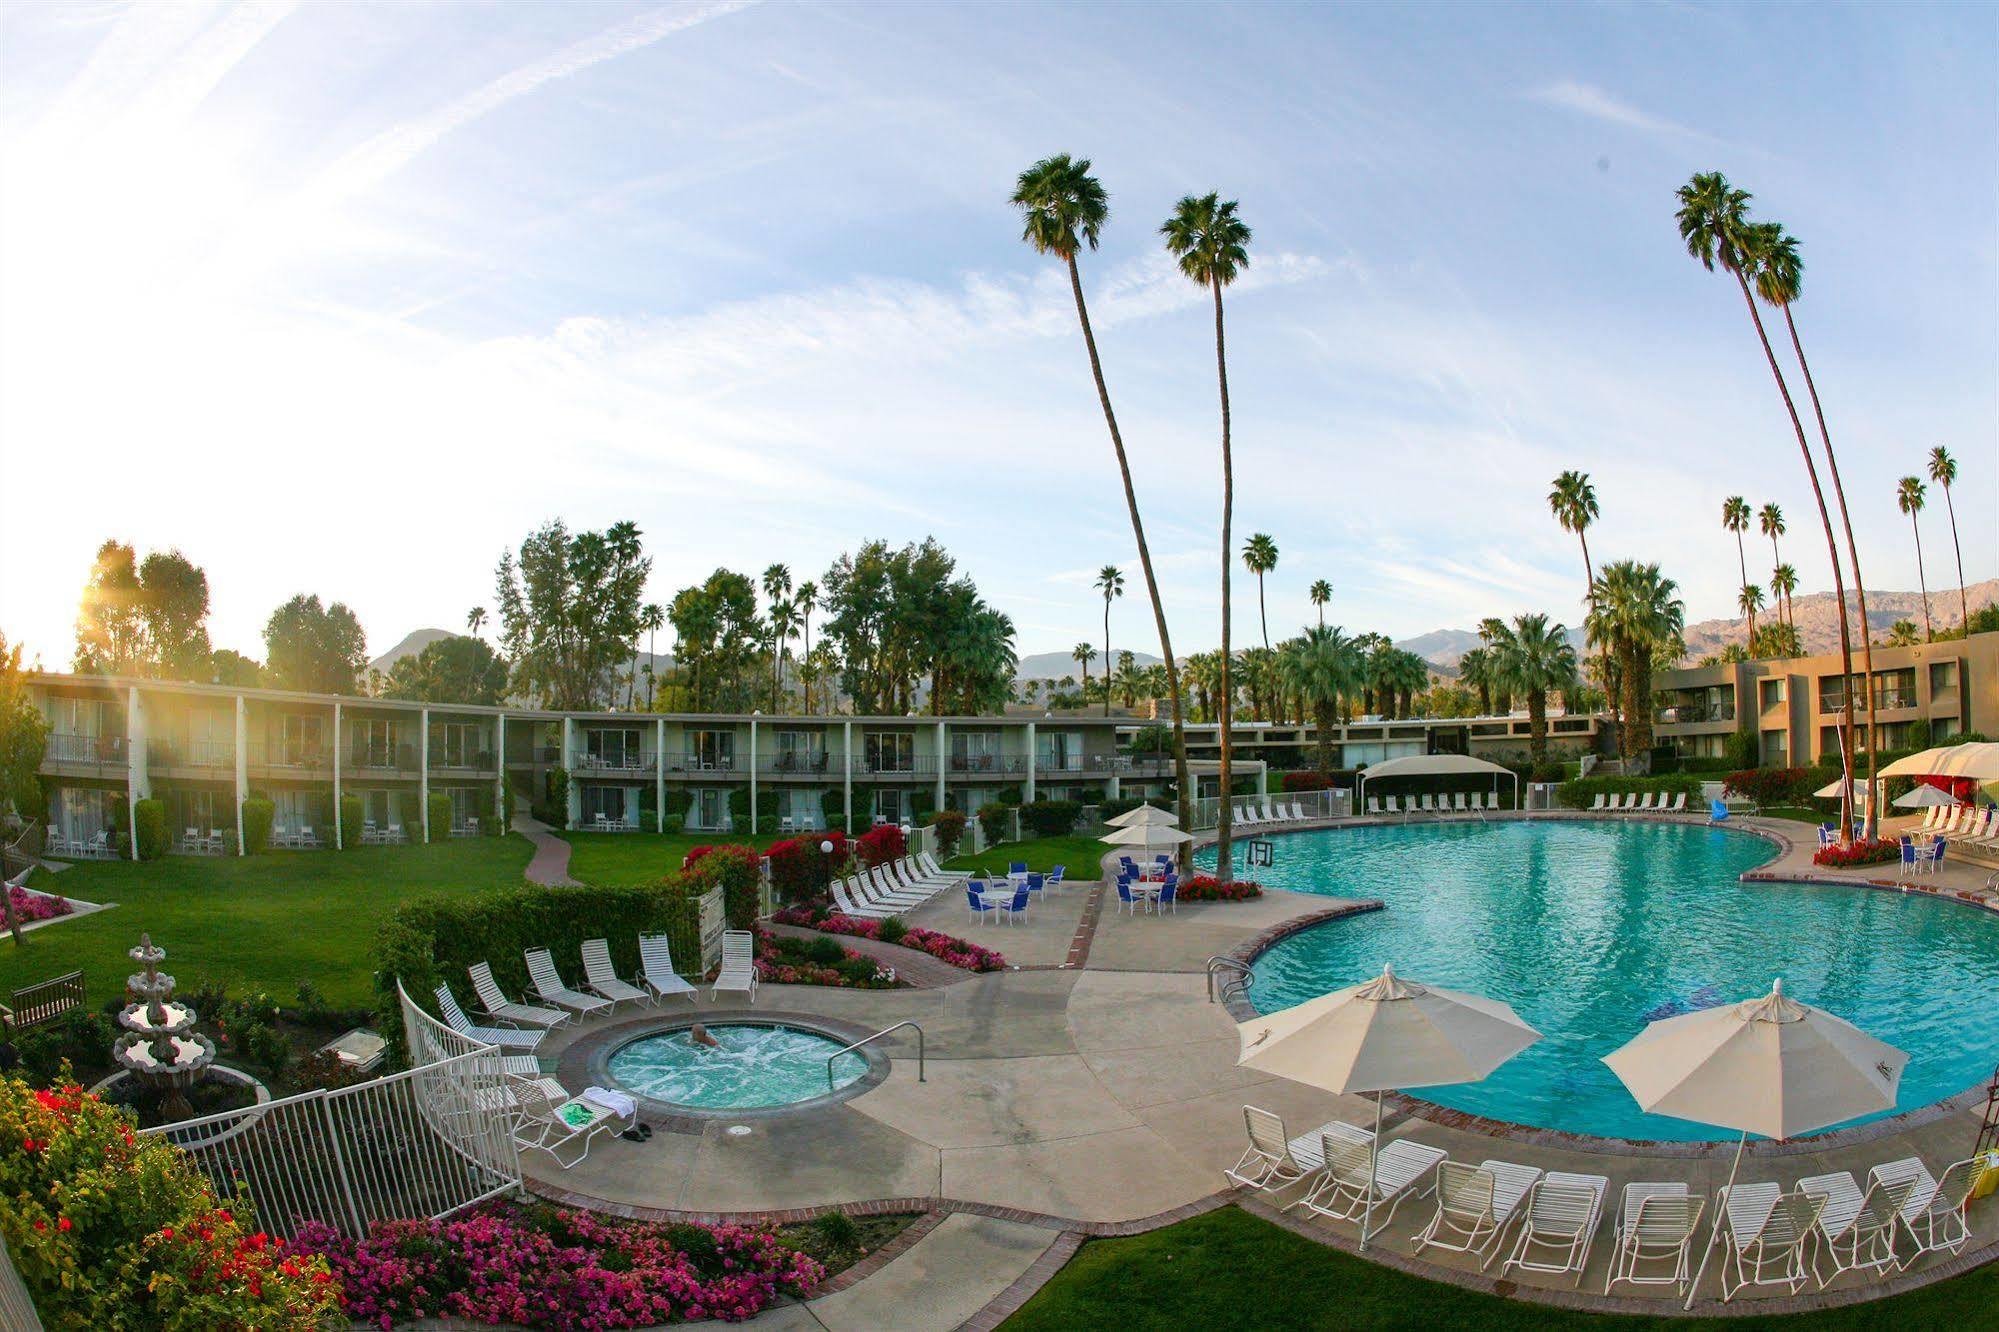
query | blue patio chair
[1125, 899]
[1016, 869]
[1055, 877]
[1935, 856]
[1015, 908]
[1034, 882]
[1908, 858]
[1828, 834]
[1168, 896]
[1128, 865]
[1717, 812]
[975, 894]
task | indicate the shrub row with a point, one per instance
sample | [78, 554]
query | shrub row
[1581, 792]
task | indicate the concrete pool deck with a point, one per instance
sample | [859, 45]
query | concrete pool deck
[1103, 1098]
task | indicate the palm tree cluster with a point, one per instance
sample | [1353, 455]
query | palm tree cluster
[1910, 497]
[1636, 617]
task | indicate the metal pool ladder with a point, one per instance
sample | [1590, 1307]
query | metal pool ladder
[1237, 978]
[877, 1036]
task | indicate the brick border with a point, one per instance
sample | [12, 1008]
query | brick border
[858, 1272]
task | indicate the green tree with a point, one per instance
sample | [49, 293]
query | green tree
[715, 629]
[1943, 472]
[1713, 220]
[1735, 518]
[1770, 521]
[314, 648]
[1322, 592]
[1212, 244]
[806, 599]
[144, 617]
[1084, 654]
[1749, 601]
[24, 741]
[1475, 673]
[1909, 499]
[475, 620]
[1063, 209]
[1322, 667]
[1783, 586]
[1902, 633]
[783, 619]
[1259, 555]
[457, 669]
[229, 667]
[1572, 500]
[1534, 658]
[569, 611]
[1110, 582]
[110, 636]
[1639, 615]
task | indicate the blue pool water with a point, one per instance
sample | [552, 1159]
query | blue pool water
[1592, 929]
[756, 1066]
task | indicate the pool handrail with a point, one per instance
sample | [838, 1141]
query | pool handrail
[877, 1036]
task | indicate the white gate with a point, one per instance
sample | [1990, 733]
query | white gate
[714, 919]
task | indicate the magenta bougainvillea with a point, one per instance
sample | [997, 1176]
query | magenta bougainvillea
[1207, 888]
[949, 948]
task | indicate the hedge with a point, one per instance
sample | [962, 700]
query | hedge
[149, 818]
[352, 817]
[438, 827]
[258, 815]
[1581, 792]
[993, 822]
[739, 811]
[1050, 818]
[833, 808]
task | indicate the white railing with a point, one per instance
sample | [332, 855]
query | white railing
[425, 1142]
[17, 1308]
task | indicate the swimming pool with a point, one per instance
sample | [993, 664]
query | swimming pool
[757, 1065]
[1591, 929]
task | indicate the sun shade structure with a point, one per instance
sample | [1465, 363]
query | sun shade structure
[1923, 796]
[1771, 1066]
[1385, 1034]
[1436, 765]
[1144, 816]
[1147, 834]
[1978, 760]
[1839, 789]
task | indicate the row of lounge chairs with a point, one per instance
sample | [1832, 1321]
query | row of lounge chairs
[893, 888]
[1967, 825]
[1770, 1236]
[1451, 802]
[1252, 814]
[1633, 802]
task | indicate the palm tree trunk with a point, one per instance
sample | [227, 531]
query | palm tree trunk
[1537, 725]
[1186, 801]
[1224, 822]
[1742, 564]
[1922, 580]
[1262, 614]
[1859, 584]
[1832, 552]
[1610, 699]
[1963, 611]
[1107, 654]
[1322, 715]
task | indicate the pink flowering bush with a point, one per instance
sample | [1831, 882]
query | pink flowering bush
[949, 948]
[30, 907]
[1207, 888]
[557, 1268]
[783, 960]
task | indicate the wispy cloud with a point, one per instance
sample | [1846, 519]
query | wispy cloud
[1586, 99]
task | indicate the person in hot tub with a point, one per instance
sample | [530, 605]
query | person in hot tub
[699, 1035]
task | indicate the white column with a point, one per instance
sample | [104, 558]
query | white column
[659, 771]
[336, 777]
[242, 766]
[943, 757]
[574, 806]
[137, 785]
[501, 803]
[1029, 794]
[423, 767]
[753, 776]
[847, 772]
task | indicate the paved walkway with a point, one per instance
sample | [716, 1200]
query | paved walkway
[1105, 1099]
[550, 866]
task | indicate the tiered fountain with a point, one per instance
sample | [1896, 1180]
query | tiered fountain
[160, 1046]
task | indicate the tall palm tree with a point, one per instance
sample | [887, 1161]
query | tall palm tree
[1322, 592]
[1770, 522]
[777, 587]
[1943, 471]
[475, 619]
[1474, 673]
[1259, 553]
[1064, 208]
[1534, 657]
[1714, 225]
[1749, 601]
[1321, 667]
[1779, 274]
[1110, 582]
[806, 599]
[1212, 244]
[652, 619]
[1784, 586]
[1573, 502]
[1084, 654]
[1909, 499]
[1735, 518]
[1640, 615]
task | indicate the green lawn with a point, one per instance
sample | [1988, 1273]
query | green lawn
[1229, 1269]
[618, 860]
[1081, 854]
[264, 921]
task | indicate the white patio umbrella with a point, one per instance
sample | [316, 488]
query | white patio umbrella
[1145, 816]
[1147, 835]
[1975, 759]
[1838, 787]
[1770, 1066]
[1387, 1033]
[1924, 796]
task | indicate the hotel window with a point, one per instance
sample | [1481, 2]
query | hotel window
[612, 748]
[298, 740]
[1943, 728]
[79, 813]
[465, 805]
[378, 809]
[296, 811]
[709, 810]
[970, 799]
[615, 804]
[1769, 693]
[195, 810]
[801, 751]
[80, 716]
[374, 743]
[714, 751]
[1058, 751]
[1776, 747]
[459, 744]
[1943, 676]
[802, 807]
[891, 805]
[975, 751]
[890, 751]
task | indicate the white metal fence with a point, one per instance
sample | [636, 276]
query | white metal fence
[1326, 804]
[425, 1142]
[17, 1308]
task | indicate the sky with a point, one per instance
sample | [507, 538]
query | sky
[347, 299]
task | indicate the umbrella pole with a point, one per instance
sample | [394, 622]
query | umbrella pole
[1721, 1204]
[1373, 1169]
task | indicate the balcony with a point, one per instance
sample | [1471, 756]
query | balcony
[86, 751]
[808, 764]
[614, 765]
[1688, 714]
[896, 765]
[381, 758]
[190, 754]
[982, 765]
[699, 763]
[443, 758]
[292, 756]
[1894, 698]
[1833, 701]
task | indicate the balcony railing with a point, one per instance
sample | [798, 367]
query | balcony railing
[1831, 702]
[896, 765]
[476, 761]
[1685, 714]
[190, 754]
[810, 764]
[624, 765]
[382, 758]
[103, 750]
[693, 762]
[292, 754]
[1895, 698]
[979, 765]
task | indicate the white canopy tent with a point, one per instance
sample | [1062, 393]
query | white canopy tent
[1978, 760]
[1435, 765]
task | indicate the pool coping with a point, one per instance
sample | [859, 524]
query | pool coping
[586, 1063]
[1239, 1008]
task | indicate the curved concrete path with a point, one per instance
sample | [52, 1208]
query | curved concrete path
[550, 866]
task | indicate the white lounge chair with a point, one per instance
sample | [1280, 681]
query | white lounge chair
[1656, 1223]
[1429, 804]
[1374, 804]
[507, 1038]
[1680, 803]
[739, 967]
[952, 878]
[1763, 1232]
[847, 898]
[1474, 1205]
[1856, 1230]
[601, 976]
[1597, 808]
[1645, 803]
[494, 1004]
[1347, 1192]
[1392, 804]
[1273, 1161]
[1560, 1216]
[547, 984]
[549, 1125]
[1932, 1212]
[656, 968]
[1298, 814]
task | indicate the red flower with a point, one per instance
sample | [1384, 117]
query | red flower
[64, 1224]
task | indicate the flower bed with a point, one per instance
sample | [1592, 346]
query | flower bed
[1857, 853]
[787, 961]
[552, 1267]
[1207, 888]
[960, 953]
[30, 907]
